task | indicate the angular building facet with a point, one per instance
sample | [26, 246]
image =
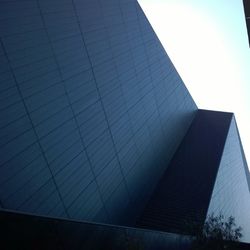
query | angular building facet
[230, 195]
[92, 109]
[184, 191]
[97, 125]
[207, 175]
[246, 6]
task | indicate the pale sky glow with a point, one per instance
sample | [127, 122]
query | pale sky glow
[207, 42]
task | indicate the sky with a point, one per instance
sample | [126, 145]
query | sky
[208, 44]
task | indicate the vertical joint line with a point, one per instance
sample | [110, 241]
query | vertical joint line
[70, 105]
[105, 114]
[32, 124]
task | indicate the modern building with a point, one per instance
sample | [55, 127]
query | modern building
[207, 175]
[246, 5]
[97, 125]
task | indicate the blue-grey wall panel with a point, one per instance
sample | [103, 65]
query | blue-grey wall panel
[91, 105]
[231, 195]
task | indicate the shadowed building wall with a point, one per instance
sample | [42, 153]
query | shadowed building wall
[246, 5]
[92, 109]
[183, 193]
[208, 174]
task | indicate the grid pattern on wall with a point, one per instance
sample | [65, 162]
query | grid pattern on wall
[231, 195]
[92, 109]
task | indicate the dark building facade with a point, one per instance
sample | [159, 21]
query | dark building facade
[95, 120]
[246, 5]
[207, 175]
[85, 132]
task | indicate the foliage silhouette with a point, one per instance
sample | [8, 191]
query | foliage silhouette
[216, 233]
